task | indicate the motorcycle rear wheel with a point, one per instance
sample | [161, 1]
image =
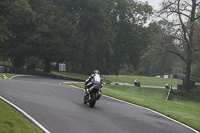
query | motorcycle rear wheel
[84, 101]
[92, 100]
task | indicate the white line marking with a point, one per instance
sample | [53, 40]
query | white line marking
[26, 115]
[17, 76]
[148, 110]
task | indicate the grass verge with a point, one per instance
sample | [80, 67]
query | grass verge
[144, 80]
[11, 121]
[9, 75]
[187, 112]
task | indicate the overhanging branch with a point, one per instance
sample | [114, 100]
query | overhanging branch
[179, 55]
[197, 18]
[170, 51]
[187, 16]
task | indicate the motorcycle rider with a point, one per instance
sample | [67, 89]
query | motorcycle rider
[136, 82]
[95, 78]
[166, 85]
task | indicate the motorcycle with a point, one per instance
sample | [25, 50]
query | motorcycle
[137, 83]
[92, 95]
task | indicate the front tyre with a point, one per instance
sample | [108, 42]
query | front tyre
[92, 100]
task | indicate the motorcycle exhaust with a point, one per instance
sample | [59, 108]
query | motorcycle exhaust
[91, 88]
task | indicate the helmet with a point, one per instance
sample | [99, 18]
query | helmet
[96, 71]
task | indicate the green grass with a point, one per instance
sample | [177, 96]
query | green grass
[12, 121]
[144, 80]
[9, 75]
[7, 63]
[187, 112]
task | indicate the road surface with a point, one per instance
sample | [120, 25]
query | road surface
[59, 108]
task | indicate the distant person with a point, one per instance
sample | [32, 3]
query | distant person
[136, 80]
[136, 83]
[4, 77]
[166, 85]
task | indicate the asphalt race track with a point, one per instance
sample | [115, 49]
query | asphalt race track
[59, 108]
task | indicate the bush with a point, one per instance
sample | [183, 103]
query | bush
[193, 95]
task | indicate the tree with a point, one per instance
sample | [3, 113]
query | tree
[196, 66]
[54, 34]
[96, 28]
[186, 12]
[113, 33]
[16, 25]
[155, 61]
[85, 34]
[131, 37]
[5, 32]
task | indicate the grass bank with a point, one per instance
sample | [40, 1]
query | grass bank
[11, 121]
[187, 112]
[9, 75]
[144, 80]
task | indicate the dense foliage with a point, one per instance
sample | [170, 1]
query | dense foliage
[85, 34]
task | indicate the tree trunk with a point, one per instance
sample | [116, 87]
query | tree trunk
[4, 58]
[47, 66]
[187, 75]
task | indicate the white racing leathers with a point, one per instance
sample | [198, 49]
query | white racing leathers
[94, 79]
